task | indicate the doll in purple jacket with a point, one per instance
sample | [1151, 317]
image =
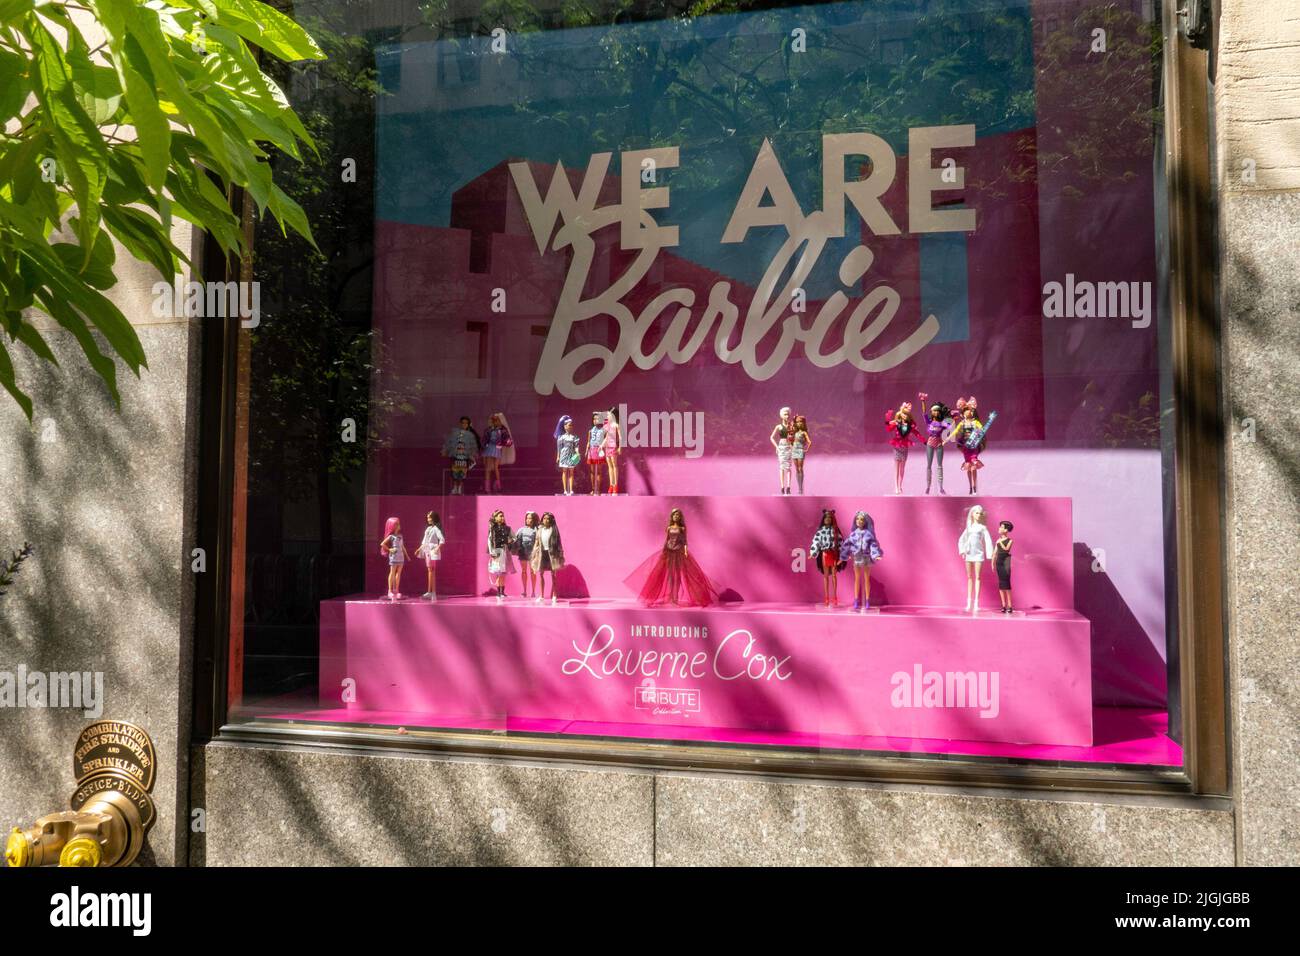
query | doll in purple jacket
[862, 549]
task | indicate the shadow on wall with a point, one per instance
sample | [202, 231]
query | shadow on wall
[1127, 670]
[101, 493]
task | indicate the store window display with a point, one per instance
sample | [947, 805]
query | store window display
[826, 276]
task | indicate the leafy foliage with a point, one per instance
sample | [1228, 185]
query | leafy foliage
[158, 120]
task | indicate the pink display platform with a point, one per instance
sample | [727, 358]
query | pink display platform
[706, 674]
[755, 548]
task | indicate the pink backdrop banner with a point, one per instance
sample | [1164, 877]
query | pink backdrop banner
[907, 674]
[747, 544]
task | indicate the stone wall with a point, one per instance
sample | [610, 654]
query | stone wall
[104, 496]
[1257, 105]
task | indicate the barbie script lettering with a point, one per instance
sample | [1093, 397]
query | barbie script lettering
[827, 342]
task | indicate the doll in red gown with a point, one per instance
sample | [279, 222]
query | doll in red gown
[671, 576]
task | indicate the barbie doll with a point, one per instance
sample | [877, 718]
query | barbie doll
[900, 425]
[969, 427]
[825, 550]
[1002, 564]
[548, 554]
[393, 549]
[612, 449]
[595, 450]
[495, 440]
[799, 446]
[461, 448]
[498, 549]
[431, 548]
[671, 575]
[938, 423]
[975, 546]
[781, 440]
[567, 452]
[523, 542]
[860, 546]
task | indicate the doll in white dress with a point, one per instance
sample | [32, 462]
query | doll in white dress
[975, 547]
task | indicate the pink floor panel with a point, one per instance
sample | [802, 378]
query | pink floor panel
[1122, 735]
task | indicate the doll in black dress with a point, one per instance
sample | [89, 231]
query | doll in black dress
[1002, 564]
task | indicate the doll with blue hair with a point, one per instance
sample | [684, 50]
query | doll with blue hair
[861, 547]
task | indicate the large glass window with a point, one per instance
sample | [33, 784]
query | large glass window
[788, 376]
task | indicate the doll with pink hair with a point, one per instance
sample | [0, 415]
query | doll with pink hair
[900, 425]
[613, 444]
[395, 551]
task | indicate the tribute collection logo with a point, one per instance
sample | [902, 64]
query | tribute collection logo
[666, 701]
[871, 315]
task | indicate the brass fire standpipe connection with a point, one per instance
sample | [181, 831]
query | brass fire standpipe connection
[111, 808]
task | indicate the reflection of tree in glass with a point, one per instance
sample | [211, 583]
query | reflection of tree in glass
[315, 355]
[1112, 116]
[1135, 426]
[725, 94]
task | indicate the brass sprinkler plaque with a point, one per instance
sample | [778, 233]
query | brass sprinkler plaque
[118, 747]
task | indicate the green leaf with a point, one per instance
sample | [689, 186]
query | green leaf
[150, 50]
[271, 30]
[78, 144]
[43, 201]
[144, 238]
[99, 271]
[150, 123]
[21, 165]
[27, 334]
[105, 316]
[68, 317]
[30, 227]
[198, 201]
[231, 62]
[10, 383]
[290, 214]
[13, 10]
[126, 185]
[14, 86]
[98, 88]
